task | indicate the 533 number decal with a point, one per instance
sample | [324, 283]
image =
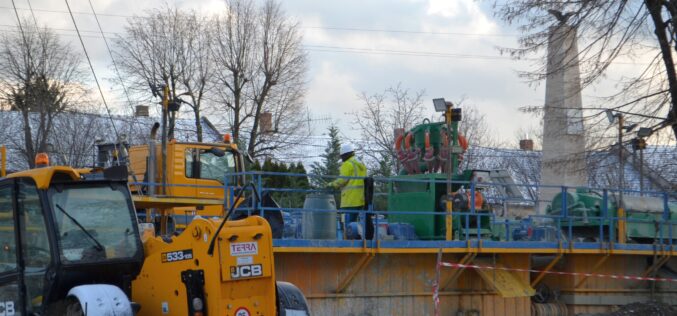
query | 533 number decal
[174, 256]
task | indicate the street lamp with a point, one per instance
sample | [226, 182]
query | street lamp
[451, 115]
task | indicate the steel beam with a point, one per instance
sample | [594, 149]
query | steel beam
[594, 269]
[361, 264]
[546, 269]
[468, 258]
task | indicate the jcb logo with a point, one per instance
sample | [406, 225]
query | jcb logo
[246, 271]
[7, 308]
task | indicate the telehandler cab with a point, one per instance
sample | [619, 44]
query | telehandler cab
[70, 243]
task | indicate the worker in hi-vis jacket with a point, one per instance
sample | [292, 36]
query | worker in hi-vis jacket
[352, 189]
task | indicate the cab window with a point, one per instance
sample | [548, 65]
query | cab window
[35, 247]
[94, 222]
[209, 164]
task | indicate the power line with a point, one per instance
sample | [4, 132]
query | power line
[30, 7]
[356, 29]
[332, 28]
[110, 53]
[399, 52]
[115, 130]
[71, 12]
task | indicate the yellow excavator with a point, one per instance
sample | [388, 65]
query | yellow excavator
[71, 246]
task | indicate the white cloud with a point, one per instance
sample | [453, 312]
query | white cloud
[331, 91]
[464, 11]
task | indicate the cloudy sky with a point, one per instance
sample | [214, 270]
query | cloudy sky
[446, 47]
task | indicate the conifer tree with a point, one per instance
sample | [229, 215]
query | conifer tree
[331, 159]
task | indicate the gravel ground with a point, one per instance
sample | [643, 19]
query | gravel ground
[644, 309]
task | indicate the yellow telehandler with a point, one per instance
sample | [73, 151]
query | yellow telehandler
[71, 246]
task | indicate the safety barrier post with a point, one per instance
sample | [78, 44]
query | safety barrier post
[621, 219]
[448, 222]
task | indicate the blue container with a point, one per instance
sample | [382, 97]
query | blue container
[402, 231]
[354, 230]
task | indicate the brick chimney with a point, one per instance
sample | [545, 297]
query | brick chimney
[527, 144]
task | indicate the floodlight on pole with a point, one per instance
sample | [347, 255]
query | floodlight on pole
[644, 132]
[610, 115]
[629, 128]
[440, 105]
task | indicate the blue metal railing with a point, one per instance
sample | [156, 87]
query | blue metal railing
[565, 224]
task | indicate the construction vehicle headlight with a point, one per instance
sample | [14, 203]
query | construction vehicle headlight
[198, 305]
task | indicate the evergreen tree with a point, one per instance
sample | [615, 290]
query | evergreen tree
[331, 163]
[385, 166]
[301, 182]
[285, 199]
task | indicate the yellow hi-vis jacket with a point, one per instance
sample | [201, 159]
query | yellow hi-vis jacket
[352, 190]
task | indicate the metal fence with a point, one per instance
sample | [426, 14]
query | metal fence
[579, 217]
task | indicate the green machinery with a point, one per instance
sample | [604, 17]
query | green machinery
[646, 215]
[421, 187]
[420, 193]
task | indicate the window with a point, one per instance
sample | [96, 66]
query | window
[212, 164]
[34, 244]
[215, 167]
[94, 223]
[8, 258]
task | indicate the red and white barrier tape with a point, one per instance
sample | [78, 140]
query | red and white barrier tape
[595, 275]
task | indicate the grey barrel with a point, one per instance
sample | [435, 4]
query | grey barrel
[318, 222]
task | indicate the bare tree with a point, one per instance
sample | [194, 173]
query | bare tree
[40, 78]
[382, 113]
[260, 68]
[170, 47]
[73, 138]
[475, 128]
[608, 30]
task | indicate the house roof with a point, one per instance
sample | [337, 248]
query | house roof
[73, 135]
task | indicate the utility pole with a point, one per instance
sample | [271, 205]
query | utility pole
[621, 172]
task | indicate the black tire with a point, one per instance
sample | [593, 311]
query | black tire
[73, 307]
[289, 297]
[543, 294]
